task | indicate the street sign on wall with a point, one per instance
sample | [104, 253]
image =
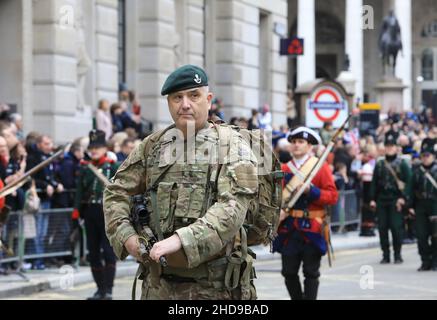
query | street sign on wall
[291, 47]
[326, 104]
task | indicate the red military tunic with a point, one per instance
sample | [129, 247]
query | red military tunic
[291, 231]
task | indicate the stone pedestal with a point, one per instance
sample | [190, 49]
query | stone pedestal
[389, 93]
[347, 79]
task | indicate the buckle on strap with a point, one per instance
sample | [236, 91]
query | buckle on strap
[232, 276]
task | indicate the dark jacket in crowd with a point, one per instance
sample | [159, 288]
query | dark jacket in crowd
[43, 177]
[121, 156]
[15, 202]
[341, 155]
[117, 123]
[122, 121]
[67, 171]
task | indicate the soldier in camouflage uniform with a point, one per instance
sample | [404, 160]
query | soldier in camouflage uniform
[197, 207]
[89, 205]
[388, 193]
[423, 205]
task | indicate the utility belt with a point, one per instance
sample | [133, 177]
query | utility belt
[212, 273]
[311, 214]
[232, 271]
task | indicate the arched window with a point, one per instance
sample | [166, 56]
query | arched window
[428, 65]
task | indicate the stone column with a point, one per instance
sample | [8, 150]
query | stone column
[106, 55]
[156, 57]
[354, 43]
[237, 57]
[55, 62]
[27, 49]
[306, 29]
[403, 11]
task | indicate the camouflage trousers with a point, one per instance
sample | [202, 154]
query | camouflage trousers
[169, 290]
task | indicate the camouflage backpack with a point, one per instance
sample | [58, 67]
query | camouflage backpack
[262, 218]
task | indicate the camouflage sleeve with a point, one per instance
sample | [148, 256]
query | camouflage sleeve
[128, 180]
[237, 185]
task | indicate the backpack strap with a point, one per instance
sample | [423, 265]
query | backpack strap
[224, 145]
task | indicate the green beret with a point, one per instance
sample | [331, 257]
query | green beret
[183, 78]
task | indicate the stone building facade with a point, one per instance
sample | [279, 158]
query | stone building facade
[61, 56]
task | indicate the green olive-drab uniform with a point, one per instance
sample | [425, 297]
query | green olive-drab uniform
[89, 203]
[424, 200]
[206, 219]
[385, 191]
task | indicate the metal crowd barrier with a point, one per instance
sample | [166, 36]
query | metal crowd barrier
[347, 210]
[49, 233]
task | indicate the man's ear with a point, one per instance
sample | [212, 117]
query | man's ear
[209, 97]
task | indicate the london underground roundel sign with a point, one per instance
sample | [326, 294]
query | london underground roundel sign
[326, 104]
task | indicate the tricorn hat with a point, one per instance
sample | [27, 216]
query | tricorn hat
[305, 133]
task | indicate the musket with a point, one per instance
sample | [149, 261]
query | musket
[99, 174]
[12, 187]
[313, 172]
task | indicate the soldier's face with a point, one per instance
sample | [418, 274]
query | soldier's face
[97, 153]
[188, 107]
[300, 147]
[427, 158]
[391, 150]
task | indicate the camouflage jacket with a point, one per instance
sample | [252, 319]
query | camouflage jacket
[184, 204]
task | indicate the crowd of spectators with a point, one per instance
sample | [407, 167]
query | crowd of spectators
[352, 161]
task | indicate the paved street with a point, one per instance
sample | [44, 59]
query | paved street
[342, 282]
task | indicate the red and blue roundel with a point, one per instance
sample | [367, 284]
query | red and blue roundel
[326, 104]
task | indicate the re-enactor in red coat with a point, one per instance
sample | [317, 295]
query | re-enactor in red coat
[303, 230]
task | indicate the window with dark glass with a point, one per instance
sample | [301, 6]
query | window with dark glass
[428, 65]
